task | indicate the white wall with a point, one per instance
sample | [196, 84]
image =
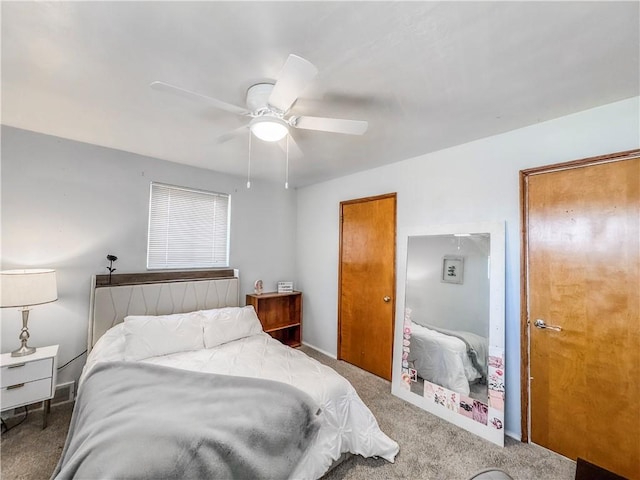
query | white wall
[66, 205]
[474, 182]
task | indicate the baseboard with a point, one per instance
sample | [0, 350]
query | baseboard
[515, 436]
[65, 393]
[320, 350]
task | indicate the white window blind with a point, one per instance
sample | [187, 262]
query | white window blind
[187, 228]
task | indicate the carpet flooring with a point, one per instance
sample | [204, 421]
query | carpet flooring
[430, 448]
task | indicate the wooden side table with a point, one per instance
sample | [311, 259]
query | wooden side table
[280, 315]
[29, 379]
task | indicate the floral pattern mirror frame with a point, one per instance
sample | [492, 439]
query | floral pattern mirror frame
[484, 418]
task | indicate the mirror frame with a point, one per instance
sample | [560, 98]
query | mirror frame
[496, 326]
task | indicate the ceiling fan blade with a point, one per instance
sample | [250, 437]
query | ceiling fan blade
[335, 125]
[292, 80]
[225, 137]
[294, 150]
[165, 87]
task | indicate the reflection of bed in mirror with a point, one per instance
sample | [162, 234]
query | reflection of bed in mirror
[453, 359]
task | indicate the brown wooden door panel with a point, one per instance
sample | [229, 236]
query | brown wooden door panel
[583, 242]
[367, 276]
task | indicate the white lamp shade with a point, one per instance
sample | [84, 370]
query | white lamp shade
[269, 129]
[23, 288]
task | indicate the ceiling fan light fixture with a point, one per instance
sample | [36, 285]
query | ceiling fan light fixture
[269, 129]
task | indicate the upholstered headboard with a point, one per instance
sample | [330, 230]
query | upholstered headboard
[159, 293]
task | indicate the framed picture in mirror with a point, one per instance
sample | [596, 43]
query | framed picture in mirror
[453, 269]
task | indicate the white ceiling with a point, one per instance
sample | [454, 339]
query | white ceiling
[426, 75]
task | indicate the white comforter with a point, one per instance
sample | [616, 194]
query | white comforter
[441, 359]
[347, 424]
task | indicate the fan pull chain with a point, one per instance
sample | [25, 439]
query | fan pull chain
[286, 180]
[249, 163]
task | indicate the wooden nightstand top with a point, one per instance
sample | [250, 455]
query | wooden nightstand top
[273, 294]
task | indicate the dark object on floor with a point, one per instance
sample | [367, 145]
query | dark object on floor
[588, 471]
[6, 428]
[491, 474]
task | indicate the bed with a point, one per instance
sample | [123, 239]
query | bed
[448, 358]
[337, 421]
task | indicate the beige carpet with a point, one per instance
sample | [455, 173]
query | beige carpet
[429, 447]
[27, 451]
[432, 449]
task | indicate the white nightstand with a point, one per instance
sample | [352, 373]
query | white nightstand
[29, 379]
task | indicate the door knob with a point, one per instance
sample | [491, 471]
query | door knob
[539, 323]
[386, 299]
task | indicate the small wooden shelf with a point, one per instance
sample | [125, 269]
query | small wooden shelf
[280, 315]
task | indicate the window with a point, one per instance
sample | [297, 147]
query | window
[187, 228]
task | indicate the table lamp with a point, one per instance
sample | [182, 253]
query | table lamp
[24, 289]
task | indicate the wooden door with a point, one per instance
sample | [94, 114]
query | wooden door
[367, 283]
[582, 241]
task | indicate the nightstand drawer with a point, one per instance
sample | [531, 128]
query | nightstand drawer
[25, 393]
[26, 372]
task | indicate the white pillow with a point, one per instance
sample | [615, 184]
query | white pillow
[223, 325]
[149, 336]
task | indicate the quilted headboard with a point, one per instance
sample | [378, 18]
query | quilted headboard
[159, 293]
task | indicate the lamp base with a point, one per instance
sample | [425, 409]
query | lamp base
[23, 351]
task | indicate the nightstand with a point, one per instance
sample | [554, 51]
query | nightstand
[280, 315]
[29, 379]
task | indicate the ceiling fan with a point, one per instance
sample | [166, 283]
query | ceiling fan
[269, 105]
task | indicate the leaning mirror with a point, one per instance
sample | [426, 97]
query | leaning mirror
[449, 343]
